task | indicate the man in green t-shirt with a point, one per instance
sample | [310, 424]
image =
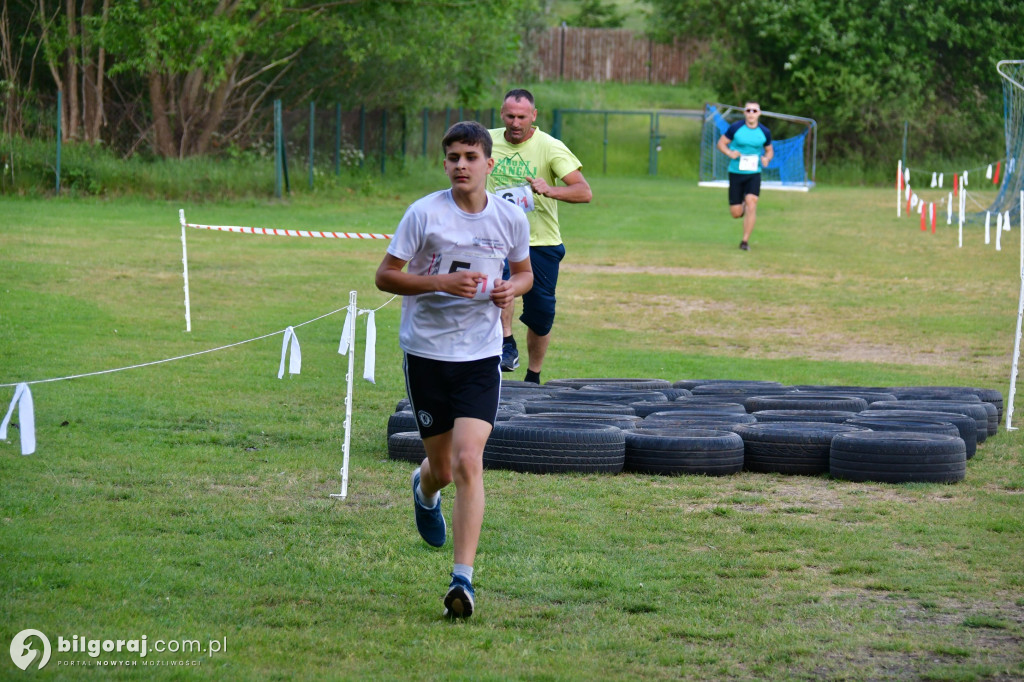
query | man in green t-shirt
[528, 163]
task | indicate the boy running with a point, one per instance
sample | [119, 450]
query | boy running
[455, 242]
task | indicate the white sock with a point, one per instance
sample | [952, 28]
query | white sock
[463, 571]
[429, 504]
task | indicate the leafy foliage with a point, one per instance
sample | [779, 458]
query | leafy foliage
[860, 67]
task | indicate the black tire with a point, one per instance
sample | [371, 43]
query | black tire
[588, 448]
[918, 425]
[966, 426]
[868, 394]
[625, 397]
[694, 451]
[737, 390]
[674, 393]
[805, 401]
[690, 384]
[402, 421]
[898, 457]
[622, 421]
[789, 447]
[699, 404]
[406, 446]
[690, 420]
[535, 406]
[645, 408]
[976, 410]
[824, 416]
[620, 384]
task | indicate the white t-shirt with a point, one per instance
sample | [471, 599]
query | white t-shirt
[436, 237]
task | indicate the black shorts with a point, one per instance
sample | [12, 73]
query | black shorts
[742, 184]
[441, 391]
[539, 302]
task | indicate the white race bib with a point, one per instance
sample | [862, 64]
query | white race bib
[749, 162]
[492, 268]
[520, 195]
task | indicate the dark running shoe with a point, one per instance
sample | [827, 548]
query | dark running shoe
[509, 357]
[458, 603]
[429, 521]
[744, 246]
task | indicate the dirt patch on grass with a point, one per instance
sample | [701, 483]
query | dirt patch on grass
[935, 639]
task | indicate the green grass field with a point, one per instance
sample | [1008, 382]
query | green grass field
[191, 500]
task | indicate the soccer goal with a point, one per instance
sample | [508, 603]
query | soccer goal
[794, 152]
[1011, 193]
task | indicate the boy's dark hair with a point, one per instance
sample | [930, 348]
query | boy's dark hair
[518, 94]
[468, 132]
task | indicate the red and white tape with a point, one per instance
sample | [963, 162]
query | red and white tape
[292, 233]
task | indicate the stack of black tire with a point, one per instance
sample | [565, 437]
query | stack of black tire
[719, 427]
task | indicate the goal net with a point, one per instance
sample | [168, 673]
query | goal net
[1008, 198]
[1011, 193]
[794, 152]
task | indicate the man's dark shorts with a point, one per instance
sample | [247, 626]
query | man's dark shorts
[539, 302]
[742, 184]
[441, 391]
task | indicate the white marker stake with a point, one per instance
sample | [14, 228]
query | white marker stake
[899, 187]
[935, 178]
[940, 179]
[999, 232]
[184, 265]
[960, 220]
[350, 348]
[949, 209]
[988, 227]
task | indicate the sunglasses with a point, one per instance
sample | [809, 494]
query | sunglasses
[752, 111]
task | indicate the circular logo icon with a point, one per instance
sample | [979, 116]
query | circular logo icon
[425, 418]
[22, 652]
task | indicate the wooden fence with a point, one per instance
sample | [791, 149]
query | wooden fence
[602, 54]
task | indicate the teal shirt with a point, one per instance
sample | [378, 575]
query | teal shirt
[749, 142]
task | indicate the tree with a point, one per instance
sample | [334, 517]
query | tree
[860, 67]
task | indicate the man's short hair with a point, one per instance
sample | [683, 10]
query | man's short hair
[752, 101]
[518, 94]
[468, 132]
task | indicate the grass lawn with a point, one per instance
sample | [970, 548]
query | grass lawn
[190, 500]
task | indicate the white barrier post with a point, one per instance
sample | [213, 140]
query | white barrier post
[353, 313]
[899, 187]
[184, 265]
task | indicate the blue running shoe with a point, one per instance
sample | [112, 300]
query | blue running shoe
[429, 521]
[509, 357]
[458, 603]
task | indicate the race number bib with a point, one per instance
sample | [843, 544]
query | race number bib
[748, 162]
[490, 266]
[520, 195]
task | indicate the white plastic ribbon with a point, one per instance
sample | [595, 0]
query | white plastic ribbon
[949, 209]
[913, 200]
[1006, 222]
[988, 227]
[26, 413]
[988, 173]
[940, 179]
[965, 178]
[370, 354]
[294, 357]
[935, 178]
[347, 334]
